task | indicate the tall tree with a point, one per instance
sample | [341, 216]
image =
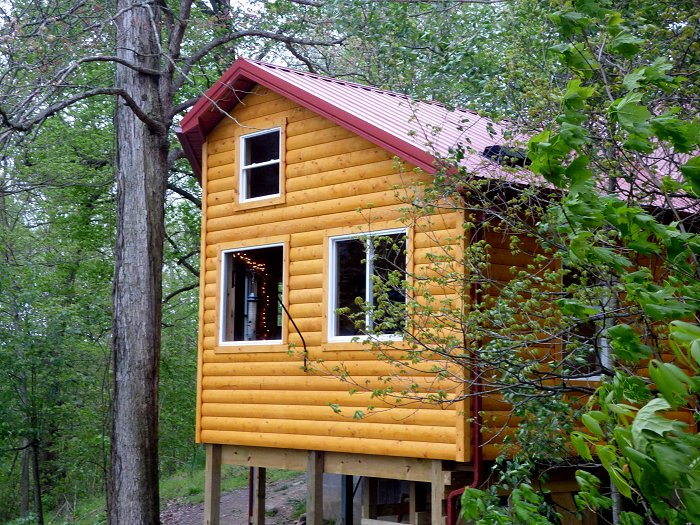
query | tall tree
[152, 83]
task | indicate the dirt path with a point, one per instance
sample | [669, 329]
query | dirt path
[282, 497]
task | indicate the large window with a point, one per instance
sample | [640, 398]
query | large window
[367, 292]
[251, 295]
[260, 165]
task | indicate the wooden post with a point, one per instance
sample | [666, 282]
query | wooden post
[437, 494]
[259, 495]
[369, 497]
[346, 498]
[416, 503]
[314, 490]
[212, 485]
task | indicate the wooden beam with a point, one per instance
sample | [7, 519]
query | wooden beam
[259, 475]
[437, 492]
[314, 489]
[265, 457]
[411, 469]
[212, 485]
[414, 469]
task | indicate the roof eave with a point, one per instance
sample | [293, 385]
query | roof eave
[222, 97]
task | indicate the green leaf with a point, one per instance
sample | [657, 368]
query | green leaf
[592, 424]
[581, 446]
[575, 96]
[625, 44]
[577, 58]
[630, 114]
[668, 310]
[691, 498]
[633, 80]
[691, 172]
[631, 518]
[635, 456]
[648, 420]
[683, 135]
[576, 308]
[626, 343]
[671, 462]
[667, 379]
[620, 482]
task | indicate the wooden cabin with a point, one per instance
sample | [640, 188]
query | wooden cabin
[297, 171]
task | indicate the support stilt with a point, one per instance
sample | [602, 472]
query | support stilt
[259, 475]
[212, 485]
[314, 495]
[369, 498]
[437, 493]
[346, 497]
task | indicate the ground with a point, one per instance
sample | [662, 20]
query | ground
[283, 501]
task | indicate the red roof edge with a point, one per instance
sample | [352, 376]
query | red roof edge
[223, 96]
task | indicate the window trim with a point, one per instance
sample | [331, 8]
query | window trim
[242, 179]
[262, 125]
[274, 345]
[331, 298]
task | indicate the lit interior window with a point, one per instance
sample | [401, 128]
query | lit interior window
[251, 295]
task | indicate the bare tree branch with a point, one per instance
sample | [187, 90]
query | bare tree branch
[118, 60]
[185, 194]
[237, 35]
[177, 292]
[184, 106]
[310, 66]
[25, 125]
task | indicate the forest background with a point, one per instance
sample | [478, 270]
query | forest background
[61, 205]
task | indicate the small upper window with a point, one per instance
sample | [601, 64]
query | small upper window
[260, 165]
[368, 284]
[251, 295]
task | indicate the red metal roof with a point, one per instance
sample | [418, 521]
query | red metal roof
[415, 131]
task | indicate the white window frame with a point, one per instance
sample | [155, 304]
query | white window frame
[243, 180]
[332, 285]
[225, 276]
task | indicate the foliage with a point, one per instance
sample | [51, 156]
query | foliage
[608, 230]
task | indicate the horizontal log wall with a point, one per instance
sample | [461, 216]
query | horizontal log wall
[498, 422]
[268, 399]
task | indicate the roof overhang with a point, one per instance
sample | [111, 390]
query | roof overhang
[241, 78]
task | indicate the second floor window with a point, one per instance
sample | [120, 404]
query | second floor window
[260, 165]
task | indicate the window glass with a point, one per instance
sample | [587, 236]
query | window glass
[367, 292]
[351, 283]
[260, 165]
[251, 295]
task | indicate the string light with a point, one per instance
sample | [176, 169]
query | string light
[260, 269]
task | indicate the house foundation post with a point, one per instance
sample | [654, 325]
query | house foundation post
[212, 485]
[259, 475]
[416, 503]
[369, 498]
[437, 494]
[346, 498]
[314, 494]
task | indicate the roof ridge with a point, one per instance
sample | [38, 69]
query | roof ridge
[357, 85]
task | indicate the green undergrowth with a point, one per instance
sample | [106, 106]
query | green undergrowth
[184, 486]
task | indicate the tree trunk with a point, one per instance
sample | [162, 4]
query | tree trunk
[24, 481]
[36, 474]
[141, 172]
